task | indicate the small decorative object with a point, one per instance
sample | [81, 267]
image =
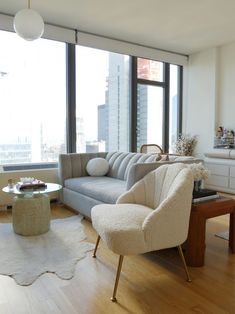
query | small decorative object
[185, 145]
[197, 185]
[26, 180]
[30, 183]
[224, 138]
[219, 132]
[199, 173]
[10, 184]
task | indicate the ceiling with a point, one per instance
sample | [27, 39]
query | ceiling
[183, 26]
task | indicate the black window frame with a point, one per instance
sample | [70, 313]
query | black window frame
[165, 84]
[134, 81]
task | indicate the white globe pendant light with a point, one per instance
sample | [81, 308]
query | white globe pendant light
[28, 24]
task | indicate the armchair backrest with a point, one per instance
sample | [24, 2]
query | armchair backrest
[168, 180]
[170, 219]
[158, 185]
[168, 191]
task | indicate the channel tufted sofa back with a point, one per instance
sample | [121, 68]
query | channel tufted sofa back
[120, 163]
[74, 165]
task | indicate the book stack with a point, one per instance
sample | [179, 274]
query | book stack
[204, 195]
[36, 184]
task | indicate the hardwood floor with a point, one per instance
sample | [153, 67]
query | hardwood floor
[149, 283]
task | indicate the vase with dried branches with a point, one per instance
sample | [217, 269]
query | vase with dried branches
[185, 144]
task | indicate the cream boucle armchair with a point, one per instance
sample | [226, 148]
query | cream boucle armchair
[154, 214]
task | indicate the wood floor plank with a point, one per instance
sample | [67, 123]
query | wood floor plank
[149, 283]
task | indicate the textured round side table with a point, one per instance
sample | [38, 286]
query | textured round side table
[31, 209]
[31, 215]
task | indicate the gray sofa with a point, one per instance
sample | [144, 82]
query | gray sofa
[81, 191]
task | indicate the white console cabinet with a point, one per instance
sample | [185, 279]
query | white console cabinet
[221, 164]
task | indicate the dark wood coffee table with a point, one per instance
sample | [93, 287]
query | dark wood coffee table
[195, 244]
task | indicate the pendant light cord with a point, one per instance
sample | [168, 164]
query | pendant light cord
[28, 4]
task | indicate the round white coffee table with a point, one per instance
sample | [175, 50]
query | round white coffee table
[31, 209]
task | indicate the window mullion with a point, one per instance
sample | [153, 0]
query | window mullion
[151, 83]
[70, 98]
[133, 103]
[180, 99]
[165, 125]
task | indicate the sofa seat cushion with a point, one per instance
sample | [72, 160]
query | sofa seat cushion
[104, 189]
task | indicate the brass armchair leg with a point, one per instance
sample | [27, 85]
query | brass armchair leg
[96, 246]
[113, 299]
[184, 263]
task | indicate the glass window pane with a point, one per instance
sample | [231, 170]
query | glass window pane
[149, 115]
[102, 113]
[149, 70]
[33, 99]
[174, 106]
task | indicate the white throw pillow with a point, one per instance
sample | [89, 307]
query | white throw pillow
[97, 167]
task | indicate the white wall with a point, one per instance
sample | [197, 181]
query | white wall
[47, 175]
[200, 99]
[209, 99]
[226, 88]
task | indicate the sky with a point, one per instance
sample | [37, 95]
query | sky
[33, 88]
[92, 71]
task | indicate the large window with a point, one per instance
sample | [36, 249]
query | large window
[116, 103]
[32, 100]
[102, 107]
[158, 105]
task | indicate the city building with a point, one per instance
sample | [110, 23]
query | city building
[117, 101]
[103, 123]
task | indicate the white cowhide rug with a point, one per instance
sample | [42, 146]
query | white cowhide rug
[57, 251]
